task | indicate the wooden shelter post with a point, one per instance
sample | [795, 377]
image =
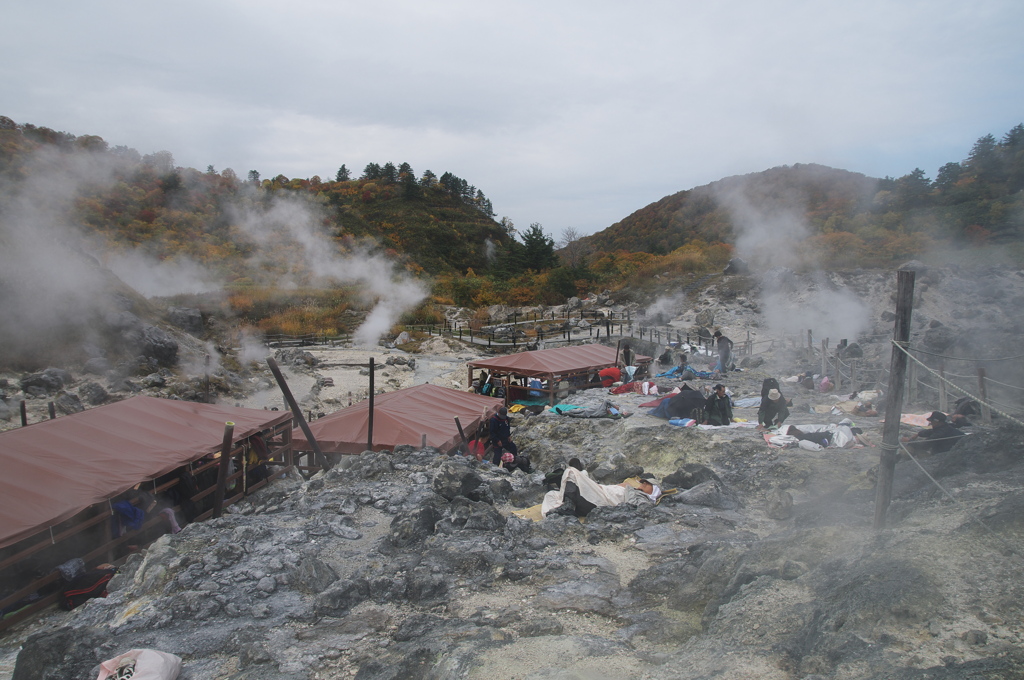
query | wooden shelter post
[318, 455]
[369, 424]
[462, 436]
[222, 468]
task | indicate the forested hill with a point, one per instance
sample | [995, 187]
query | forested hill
[439, 224]
[702, 213]
[852, 219]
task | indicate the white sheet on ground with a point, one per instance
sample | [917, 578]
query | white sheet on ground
[726, 427]
[598, 494]
[842, 436]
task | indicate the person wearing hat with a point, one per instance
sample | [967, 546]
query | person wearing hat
[501, 435]
[938, 437]
[718, 407]
[773, 411]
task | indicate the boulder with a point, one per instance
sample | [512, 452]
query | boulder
[96, 366]
[187, 319]
[736, 266]
[68, 404]
[455, 478]
[63, 653]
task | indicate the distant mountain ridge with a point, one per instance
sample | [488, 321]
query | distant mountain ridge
[701, 213]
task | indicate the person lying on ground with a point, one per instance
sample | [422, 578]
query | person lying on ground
[773, 411]
[579, 494]
[959, 421]
[938, 437]
[718, 407]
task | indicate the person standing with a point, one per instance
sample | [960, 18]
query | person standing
[718, 408]
[501, 435]
[724, 352]
[628, 355]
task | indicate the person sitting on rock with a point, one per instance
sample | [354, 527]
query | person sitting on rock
[718, 407]
[501, 435]
[579, 494]
[939, 437]
[773, 410]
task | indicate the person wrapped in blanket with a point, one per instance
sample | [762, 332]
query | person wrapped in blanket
[578, 494]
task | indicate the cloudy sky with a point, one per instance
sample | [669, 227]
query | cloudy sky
[568, 113]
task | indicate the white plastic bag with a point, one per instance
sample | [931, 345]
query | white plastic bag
[150, 664]
[809, 445]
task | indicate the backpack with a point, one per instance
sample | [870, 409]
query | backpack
[87, 586]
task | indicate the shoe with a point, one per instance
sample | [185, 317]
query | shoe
[566, 509]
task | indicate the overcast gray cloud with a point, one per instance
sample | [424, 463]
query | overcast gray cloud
[568, 113]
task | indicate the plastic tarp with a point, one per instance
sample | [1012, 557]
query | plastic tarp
[402, 417]
[557, 361]
[54, 469]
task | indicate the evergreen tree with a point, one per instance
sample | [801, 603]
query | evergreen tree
[538, 249]
[389, 173]
[254, 176]
[429, 179]
[1011, 148]
[372, 171]
[343, 174]
[983, 161]
[912, 190]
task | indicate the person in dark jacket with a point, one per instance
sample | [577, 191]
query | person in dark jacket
[718, 407]
[939, 437]
[501, 435]
[773, 411]
[724, 352]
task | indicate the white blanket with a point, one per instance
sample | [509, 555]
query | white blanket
[598, 494]
[842, 436]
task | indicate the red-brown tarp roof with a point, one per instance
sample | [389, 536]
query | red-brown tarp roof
[558, 361]
[402, 417]
[52, 470]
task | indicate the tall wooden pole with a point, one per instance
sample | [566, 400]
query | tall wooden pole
[943, 395]
[222, 468]
[369, 422]
[894, 403]
[986, 413]
[318, 455]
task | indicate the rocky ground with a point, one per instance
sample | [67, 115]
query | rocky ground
[412, 565]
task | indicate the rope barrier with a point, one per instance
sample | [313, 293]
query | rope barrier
[954, 385]
[962, 507]
[981, 361]
[1012, 387]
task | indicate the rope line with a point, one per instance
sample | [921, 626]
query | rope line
[955, 386]
[1013, 387]
[962, 507]
[980, 361]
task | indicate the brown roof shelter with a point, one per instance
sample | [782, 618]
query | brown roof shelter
[402, 417]
[573, 364]
[59, 476]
